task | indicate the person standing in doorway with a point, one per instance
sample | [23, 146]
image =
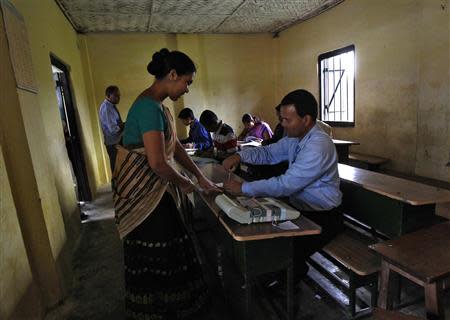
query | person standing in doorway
[111, 122]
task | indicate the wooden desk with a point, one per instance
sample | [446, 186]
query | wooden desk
[424, 258]
[392, 205]
[255, 249]
[342, 147]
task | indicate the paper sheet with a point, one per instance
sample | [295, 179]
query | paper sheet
[287, 225]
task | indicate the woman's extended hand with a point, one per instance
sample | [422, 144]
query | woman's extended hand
[208, 186]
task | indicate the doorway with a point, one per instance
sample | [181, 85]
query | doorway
[71, 133]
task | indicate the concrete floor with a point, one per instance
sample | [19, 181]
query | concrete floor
[98, 287]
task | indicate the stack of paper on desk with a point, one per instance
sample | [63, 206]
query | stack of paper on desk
[250, 210]
[244, 144]
[190, 151]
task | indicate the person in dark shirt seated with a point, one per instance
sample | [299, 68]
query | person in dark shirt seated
[279, 130]
[199, 137]
[224, 139]
[255, 128]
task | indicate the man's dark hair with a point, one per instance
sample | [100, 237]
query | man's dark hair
[110, 90]
[304, 102]
[186, 113]
[208, 118]
[278, 107]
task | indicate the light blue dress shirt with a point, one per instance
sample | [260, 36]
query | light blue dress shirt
[110, 121]
[312, 179]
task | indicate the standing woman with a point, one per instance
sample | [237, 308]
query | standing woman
[163, 278]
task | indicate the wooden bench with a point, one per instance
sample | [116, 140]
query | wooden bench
[350, 252]
[424, 258]
[372, 162]
[381, 207]
[380, 314]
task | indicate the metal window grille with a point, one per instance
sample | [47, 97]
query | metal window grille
[337, 86]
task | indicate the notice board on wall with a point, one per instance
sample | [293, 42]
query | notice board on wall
[19, 48]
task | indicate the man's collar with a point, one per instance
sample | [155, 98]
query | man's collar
[106, 100]
[309, 133]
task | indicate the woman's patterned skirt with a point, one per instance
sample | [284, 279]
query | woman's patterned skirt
[163, 277]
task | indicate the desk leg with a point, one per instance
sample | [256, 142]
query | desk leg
[388, 286]
[342, 152]
[433, 301]
[248, 296]
[290, 291]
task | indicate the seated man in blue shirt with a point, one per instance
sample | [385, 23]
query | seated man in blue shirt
[312, 180]
[199, 137]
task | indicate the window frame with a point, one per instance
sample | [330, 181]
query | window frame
[327, 55]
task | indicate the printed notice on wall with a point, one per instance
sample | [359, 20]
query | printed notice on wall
[19, 48]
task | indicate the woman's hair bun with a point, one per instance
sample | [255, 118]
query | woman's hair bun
[161, 54]
[164, 60]
[159, 62]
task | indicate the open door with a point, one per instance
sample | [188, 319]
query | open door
[71, 132]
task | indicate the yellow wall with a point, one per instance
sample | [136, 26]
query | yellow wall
[38, 166]
[402, 76]
[235, 76]
[433, 133]
[51, 33]
[17, 279]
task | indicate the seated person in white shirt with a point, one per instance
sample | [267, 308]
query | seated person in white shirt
[312, 179]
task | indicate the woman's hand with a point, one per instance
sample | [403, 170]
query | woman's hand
[208, 186]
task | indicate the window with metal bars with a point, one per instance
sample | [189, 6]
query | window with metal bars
[337, 87]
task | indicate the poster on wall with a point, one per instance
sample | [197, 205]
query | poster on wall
[19, 48]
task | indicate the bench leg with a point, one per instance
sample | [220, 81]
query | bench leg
[388, 286]
[433, 301]
[397, 291]
[373, 294]
[352, 294]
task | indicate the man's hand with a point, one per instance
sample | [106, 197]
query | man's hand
[231, 163]
[233, 187]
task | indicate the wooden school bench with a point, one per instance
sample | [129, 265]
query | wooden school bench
[390, 205]
[376, 206]
[373, 163]
[342, 147]
[423, 257]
